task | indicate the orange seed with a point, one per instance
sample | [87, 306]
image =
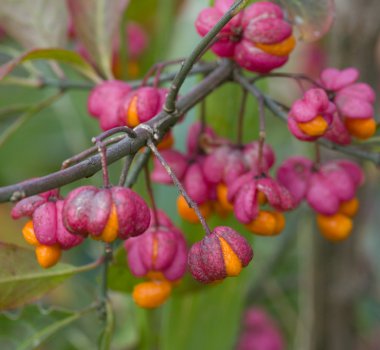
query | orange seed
[334, 227]
[151, 294]
[48, 256]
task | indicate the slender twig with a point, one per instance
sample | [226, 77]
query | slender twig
[107, 258]
[65, 84]
[157, 68]
[151, 194]
[180, 188]
[243, 105]
[88, 152]
[139, 165]
[295, 76]
[170, 103]
[125, 170]
[262, 133]
[103, 158]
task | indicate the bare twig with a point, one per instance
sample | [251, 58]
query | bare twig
[180, 188]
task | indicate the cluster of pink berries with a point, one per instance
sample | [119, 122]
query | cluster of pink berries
[339, 110]
[329, 189]
[218, 175]
[57, 223]
[258, 38]
[229, 177]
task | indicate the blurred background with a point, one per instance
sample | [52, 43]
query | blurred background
[314, 295]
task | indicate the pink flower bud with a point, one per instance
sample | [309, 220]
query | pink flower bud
[105, 213]
[160, 249]
[221, 254]
[104, 100]
[311, 116]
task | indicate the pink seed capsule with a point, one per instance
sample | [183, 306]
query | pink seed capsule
[221, 254]
[105, 213]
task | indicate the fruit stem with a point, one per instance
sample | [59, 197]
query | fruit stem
[125, 170]
[107, 257]
[151, 195]
[181, 189]
[243, 104]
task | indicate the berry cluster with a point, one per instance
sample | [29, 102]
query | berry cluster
[338, 110]
[329, 189]
[228, 177]
[214, 175]
[258, 38]
[57, 223]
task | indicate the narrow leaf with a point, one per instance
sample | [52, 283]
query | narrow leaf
[22, 280]
[29, 327]
[37, 23]
[107, 333]
[61, 55]
[96, 22]
[15, 125]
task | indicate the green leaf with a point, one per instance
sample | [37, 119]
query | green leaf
[33, 325]
[66, 56]
[96, 22]
[37, 23]
[17, 123]
[22, 280]
[217, 308]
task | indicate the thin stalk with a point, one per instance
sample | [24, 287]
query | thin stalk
[125, 170]
[243, 105]
[103, 158]
[180, 188]
[88, 152]
[151, 194]
[107, 258]
[139, 164]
